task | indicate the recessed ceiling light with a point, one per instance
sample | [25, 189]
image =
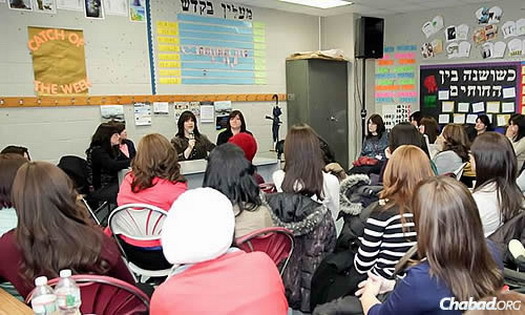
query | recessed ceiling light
[323, 4]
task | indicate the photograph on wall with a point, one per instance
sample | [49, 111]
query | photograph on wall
[23, 5]
[93, 9]
[112, 112]
[116, 7]
[142, 114]
[489, 15]
[71, 5]
[45, 6]
[484, 34]
[137, 11]
[458, 50]
[432, 27]
[222, 113]
[161, 108]
[179, 108]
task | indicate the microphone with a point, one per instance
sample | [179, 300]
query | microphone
[192, 136]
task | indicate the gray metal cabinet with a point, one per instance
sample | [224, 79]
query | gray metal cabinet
[318, 95]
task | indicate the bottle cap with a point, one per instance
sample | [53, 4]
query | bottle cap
[41, 280]
[65, 273]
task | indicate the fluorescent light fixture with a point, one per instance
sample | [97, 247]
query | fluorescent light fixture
[323, 4]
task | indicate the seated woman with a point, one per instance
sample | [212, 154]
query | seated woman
[54, 232]
[105, 160]
[454, 149]
[231, 174]
[389, 231]
[9, 165]
[248, 144]
[303, 170]
[516, 134]
[373, 148]
[189, 142]
[429, 128]
[496, 192]
[126, 146]
[483, 124]
[454, 260]
[236, 124]
[210, 276]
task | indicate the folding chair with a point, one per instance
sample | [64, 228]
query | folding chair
[277, 242]
[131, 226]
[459, 172]
[103, 295]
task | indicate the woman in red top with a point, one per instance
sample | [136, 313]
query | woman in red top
[54, 232]
[155, 178]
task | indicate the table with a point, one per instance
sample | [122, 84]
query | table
[10, 305]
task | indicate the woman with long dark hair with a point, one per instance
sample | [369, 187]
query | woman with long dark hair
[303, 169]
[236, 124]
[496, 193]
[126, 146]
[189, 142]
[373, 148]
[454, 149]
[516, 134]
[229, 172]
[54, 232]
[454, 262]
[105, 160]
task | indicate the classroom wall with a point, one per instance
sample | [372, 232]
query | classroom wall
[117, 63]
[405, 29]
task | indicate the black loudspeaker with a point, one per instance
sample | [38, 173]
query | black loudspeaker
[370, 38]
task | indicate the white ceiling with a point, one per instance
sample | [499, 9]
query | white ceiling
[364, 7]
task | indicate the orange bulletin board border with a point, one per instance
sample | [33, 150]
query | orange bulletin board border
[55, 101]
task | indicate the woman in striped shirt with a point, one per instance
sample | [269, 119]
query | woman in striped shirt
[389, 231]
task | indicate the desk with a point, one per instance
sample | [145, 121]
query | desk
[9, 305]
[193, 170]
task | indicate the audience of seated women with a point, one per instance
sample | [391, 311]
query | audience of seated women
[235, 125]
[54, 232]
[229, 172]
[373, 148]
[126, 146]
[496, 192]
[189, 142]
[303, 169]
[516, 134]
[454, 146]
[210, 276]
[105, 160]
[389, 231]
[453, 260]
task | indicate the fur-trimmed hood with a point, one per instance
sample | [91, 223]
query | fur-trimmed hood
[356, 194]
[296, 212]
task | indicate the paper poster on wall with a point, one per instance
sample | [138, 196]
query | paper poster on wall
[222, 113]
[180, 107]
[22, 5]
[116, 7]
[395, 114]
[429, 50]
[432, 27]
[484, 34]
[463, 107]
[142, 113]
[453, 32]
[447, 107]
[93, 9]
[471, 118]
[491, 50]
[64, 49]
[45, 6]
[493, 107]
[137, 11]
[207, 113]
[478, 107]
[520, 27]
[161, 108]
[516, 47]
[112, 112]
[444, 119]
[458, 50]
[486, 15]
[508, 107]
[71, 5]
[502, 120]
[509, 29]
[459, 118]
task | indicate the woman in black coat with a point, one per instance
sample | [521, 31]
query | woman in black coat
[236, 124]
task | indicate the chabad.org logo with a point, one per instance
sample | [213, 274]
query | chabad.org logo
[450, 304]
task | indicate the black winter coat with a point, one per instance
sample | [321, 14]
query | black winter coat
[314, 235]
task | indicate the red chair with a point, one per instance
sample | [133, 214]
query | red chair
[268, 188]
[277, 242]
[103, 295]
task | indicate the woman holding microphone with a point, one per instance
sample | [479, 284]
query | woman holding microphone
[189, 142]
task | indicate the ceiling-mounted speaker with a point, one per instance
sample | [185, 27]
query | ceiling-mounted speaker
[370, 38]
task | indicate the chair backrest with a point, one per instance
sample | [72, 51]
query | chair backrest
[277, 242]
[103, 295]
[268, 188]
[137, 221]
[459, 172]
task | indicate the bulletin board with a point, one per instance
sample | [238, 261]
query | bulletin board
[458, 93]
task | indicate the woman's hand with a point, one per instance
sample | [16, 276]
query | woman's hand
[336, 169]
[375, 285]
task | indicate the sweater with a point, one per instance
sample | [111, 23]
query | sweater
[519, 149]
[251, 220]
[200, 151]
[225, 285]
[11, 263]
[489, 208]
[224, 136]
[103, 167]
[420, 293]
[447, 162]
[384, 242]
[375, 146]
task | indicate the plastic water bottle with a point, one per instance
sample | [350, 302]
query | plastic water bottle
[68, 294]
[44, 300]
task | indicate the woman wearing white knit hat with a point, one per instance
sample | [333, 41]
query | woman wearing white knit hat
[210, 276]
